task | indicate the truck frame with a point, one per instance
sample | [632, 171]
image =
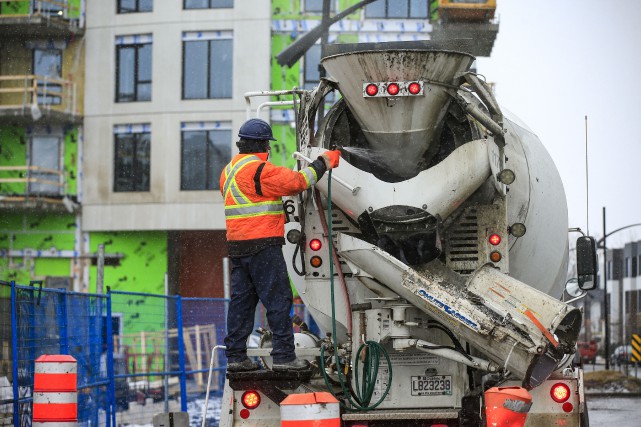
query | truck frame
[439, 255]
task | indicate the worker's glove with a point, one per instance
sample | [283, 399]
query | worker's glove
[331, 158]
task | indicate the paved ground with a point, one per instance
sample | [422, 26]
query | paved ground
[614, 411]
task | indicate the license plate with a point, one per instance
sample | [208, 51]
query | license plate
[430, 386]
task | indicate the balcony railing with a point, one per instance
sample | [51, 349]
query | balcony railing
[33, 186]
[61, 9]
[36, 95]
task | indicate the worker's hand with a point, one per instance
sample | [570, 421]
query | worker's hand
[331, 158]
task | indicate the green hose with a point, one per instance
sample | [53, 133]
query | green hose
[371, 362]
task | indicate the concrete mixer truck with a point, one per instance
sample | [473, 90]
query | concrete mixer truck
[433, 260]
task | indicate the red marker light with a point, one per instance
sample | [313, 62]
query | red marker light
[371, 89]
[392, 89]
[414, 88]
[560, 392]
[251, 399]
[315, 244]
[495, 239]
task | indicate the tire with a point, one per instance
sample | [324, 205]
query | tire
[584, 418]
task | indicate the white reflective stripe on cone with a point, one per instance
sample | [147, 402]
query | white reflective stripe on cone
[56, 368]
[316, 411]
[47, 397]
[55, 424]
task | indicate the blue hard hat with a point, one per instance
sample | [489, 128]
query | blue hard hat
[256, 129]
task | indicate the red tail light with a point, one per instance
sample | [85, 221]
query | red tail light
[315, 244]
[392, 89]
[414, 88]
[251, 399]
[371, 89]
[560, 392]
[494, 239]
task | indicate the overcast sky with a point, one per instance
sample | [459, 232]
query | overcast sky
[553, 63]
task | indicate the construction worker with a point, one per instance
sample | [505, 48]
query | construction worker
[252, 189]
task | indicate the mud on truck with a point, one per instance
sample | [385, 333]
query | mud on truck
[433, 259]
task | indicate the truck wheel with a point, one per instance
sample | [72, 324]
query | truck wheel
[584, 420]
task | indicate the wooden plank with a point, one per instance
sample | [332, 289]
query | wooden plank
[189, 349]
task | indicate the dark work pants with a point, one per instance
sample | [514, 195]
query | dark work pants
[261, 276]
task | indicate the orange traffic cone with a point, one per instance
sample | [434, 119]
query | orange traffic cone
[507, 406]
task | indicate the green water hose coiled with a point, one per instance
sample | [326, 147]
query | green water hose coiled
[365, 386]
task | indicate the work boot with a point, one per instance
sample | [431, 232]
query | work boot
[244, 366]
[295, 365]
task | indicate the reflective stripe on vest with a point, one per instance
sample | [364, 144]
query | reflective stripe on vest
[230, 180]
[244, 208]
[254, 209]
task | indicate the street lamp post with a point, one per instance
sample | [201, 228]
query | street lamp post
[606, 305]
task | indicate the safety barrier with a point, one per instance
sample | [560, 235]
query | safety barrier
[157, 360]
[55, 392]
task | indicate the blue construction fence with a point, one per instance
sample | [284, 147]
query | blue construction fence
[157, 359]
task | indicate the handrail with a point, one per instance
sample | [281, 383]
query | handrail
[64, 5]
[24, 91]
[61, 175]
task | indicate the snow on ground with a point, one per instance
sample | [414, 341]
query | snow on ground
[195, 410]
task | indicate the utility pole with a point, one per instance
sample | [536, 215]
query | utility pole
[606, 306]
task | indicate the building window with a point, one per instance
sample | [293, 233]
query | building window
[205, 151]
[133, 6]
[132, 151]
[208, 4]
[631, 302]
[397, 9]
[626, 271]
[133, 68]
[47, 66]
[634, 266]
[207, 65]
[311, 73]
[316, 6]
[311, 64]
[45, 154]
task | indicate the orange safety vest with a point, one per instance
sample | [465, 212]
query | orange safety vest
[250, 215]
